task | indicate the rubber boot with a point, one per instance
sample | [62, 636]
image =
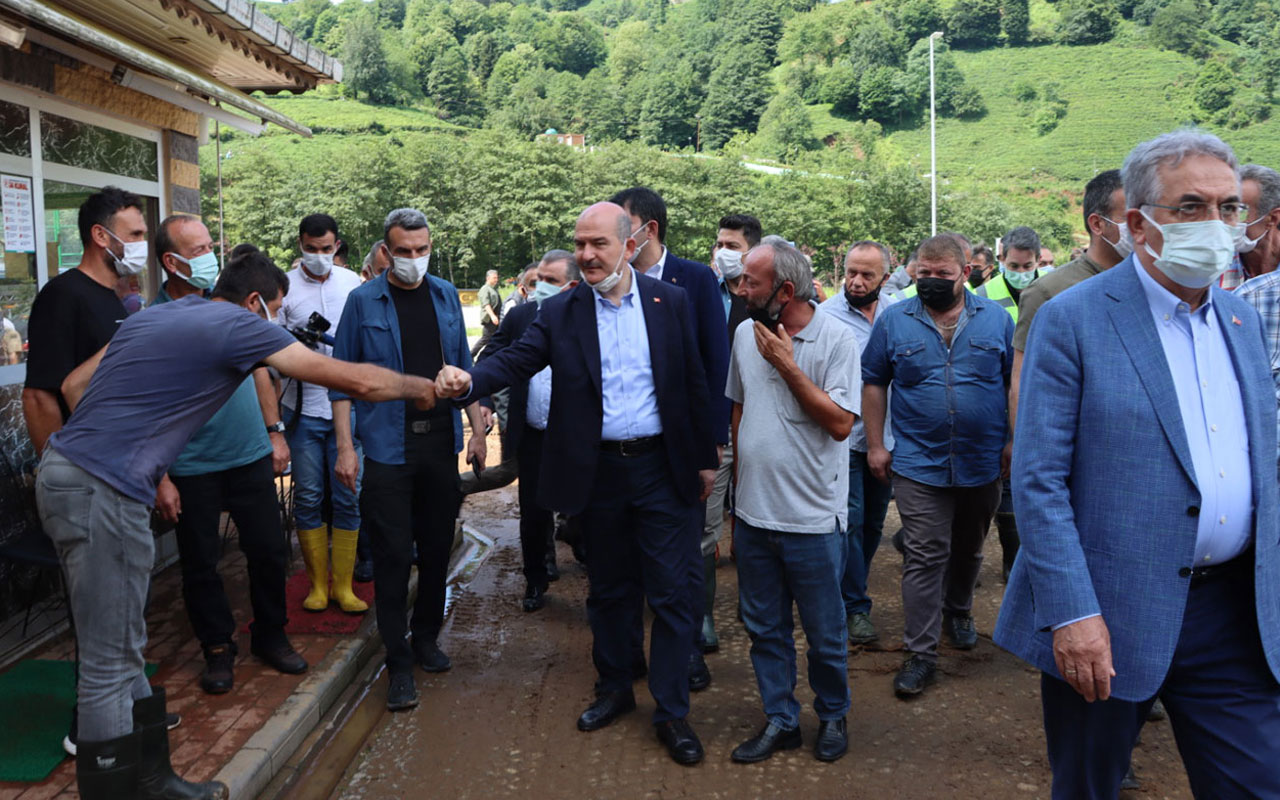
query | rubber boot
[344, 564]
[156, 778]
[315, 554]
[710, 641]
[107, 770]
[1007, 525]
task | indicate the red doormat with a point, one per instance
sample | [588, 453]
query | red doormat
[333, 620]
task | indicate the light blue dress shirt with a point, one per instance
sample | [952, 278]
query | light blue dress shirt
[726, 296]
[538, 407]
[838, 307]
[1204, 377]
[626, 371]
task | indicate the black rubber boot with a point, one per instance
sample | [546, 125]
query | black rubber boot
[108, 770]
[710, 641]
[156, 778]
[1007, 525]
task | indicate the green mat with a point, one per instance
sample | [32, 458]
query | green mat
[35, 712]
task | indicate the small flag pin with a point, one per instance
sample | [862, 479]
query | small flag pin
[1236, 320]
[659, 300]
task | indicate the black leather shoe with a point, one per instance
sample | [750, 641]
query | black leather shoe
[607, 707]
[699, 674]
[553, 569]
[833, 740]
[402, 695]
[915, 675]
[535, 597]
[768, 741]
[280, 656]
[431, 658]
[682, 743]
[219, 668]
[960, 631]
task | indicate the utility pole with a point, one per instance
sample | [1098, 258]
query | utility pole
[933, 143]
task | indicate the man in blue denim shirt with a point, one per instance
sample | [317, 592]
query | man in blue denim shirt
[411, 322]
[948, 354]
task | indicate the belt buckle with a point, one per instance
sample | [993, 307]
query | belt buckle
[420, 426]
[622, 448]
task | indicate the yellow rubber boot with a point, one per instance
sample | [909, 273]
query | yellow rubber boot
[315, 554]
[344, 564]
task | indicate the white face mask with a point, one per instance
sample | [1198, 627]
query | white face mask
[1194, 254]
[135, 256]
[729, 262]
[1124, 245]
[410, 270]
[318, 264]
[1243, 243]
[606, 284]
[640, 246]
[266, 312]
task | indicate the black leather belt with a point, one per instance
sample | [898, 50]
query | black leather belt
[632, 447]
[424, 426]
[1244, 561]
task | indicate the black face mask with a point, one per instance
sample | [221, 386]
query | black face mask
[938, 294]
[762, 314]
[855, 302]
[975, 279]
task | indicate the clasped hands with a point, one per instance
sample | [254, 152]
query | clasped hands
[452, 382]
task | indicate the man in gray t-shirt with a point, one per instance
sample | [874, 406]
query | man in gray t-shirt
[795, 383]
[98, 478]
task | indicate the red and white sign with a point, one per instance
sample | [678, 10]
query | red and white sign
[19, 214]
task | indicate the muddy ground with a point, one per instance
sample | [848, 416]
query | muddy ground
[501, 724]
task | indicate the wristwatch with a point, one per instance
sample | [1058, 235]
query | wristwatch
[275, 427]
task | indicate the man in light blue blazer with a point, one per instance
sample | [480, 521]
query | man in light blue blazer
[1145, 483]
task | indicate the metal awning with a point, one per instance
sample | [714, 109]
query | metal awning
[98, 37]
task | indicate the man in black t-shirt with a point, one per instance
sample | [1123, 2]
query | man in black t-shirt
[77, 312]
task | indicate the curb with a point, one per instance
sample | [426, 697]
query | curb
[271, 746]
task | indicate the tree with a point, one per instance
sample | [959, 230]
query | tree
[672, 99]
[1086, 21]
[882, 94]
[738, 88]
[875, 44]
[364, 59]
[916, 19]
[1015, 20]
[786, 130]
[1178, 27]
[510, 68]
[974, 23]
[449, 84]
[1214, 87]
[573, 44]
[390, 13]
[481, 50]
[840, 89]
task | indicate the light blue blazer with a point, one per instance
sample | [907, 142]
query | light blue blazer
[1103, 485]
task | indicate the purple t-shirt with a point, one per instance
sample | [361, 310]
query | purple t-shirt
[165, 373]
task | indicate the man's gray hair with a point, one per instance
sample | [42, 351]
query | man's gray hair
[409, 219]
[1021, 238]
[372, 254]
[789, 264]
[493, 273]
[1141, 170]
[1268, 181]
[885, 255]
[572, 270]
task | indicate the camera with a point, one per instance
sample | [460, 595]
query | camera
[315, 331]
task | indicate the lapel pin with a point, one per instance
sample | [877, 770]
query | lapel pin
[659, 300]
[1236, 320]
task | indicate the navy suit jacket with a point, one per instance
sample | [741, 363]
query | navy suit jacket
[707, 310]
[514, 323]
[1103, 484]
[564, 336]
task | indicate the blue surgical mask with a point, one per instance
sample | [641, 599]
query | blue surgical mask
[543, 290]
[1018, 280]
[204, 270]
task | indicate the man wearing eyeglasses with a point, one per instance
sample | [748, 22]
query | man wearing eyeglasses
[1144, 475]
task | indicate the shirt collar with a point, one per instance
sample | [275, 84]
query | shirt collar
[631, 293]
[810, 332]
[659, 266]
[1164, 303]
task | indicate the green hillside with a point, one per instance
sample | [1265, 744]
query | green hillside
[337, 115]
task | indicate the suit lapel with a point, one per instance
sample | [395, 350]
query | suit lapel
[1136, 331]
[651, 305]
[1234, 333]
[583, 318]
[671, 271]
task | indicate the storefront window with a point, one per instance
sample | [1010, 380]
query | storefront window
[62, 203]
[79, 144]
[15, 130]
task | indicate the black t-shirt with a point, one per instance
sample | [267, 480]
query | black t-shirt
[420, 346]
[72, 317]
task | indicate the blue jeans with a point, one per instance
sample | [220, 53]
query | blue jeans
[314, 449]
[105, 544]
[774, 570]
[868, 504]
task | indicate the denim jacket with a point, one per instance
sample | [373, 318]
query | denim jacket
[370, 333]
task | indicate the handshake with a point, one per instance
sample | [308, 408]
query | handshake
[452, 382]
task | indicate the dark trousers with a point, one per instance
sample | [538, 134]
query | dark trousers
[403, 504]
[643, 543]
[1223, 704]
[248, 494]
[536, 523]
[487, 330]
[868, 505]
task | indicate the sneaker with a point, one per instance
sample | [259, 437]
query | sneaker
[219, 668]
[1157, 712]
[916, 674]
[960, 631]
[69, 741]
[431, 658]
[402, 695]
[861, 631]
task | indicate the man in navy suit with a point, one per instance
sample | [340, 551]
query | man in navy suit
[630, 446]
[1145, 482]
[648, 215]
[528, 411]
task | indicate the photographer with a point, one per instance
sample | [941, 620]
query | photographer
[316, 286]
[229, 464]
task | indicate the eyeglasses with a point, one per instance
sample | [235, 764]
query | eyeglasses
[1193, 211]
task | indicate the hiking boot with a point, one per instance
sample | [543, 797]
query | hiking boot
[430, 657]
[917, 673]
[861, 631]
[219, 668]
[960, 631]
[402, 695]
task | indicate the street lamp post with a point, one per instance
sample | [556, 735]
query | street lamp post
[933, 143]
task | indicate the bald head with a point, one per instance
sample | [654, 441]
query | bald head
[602, 240]
[600, 214]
